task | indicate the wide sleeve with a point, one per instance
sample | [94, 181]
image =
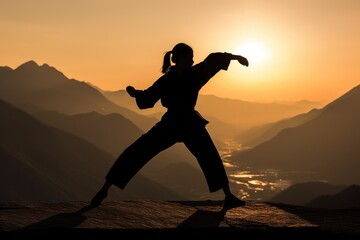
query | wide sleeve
[148, 97]
[211, 65]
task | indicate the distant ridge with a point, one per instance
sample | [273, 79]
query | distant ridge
[257, 135]
[111, 132]
[302, 193]
[347, 198]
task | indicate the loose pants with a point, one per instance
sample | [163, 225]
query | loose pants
[162, 136]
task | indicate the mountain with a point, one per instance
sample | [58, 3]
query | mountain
[257, 135]
[246, 114]
[327, 145]
[40, 163]
[302, 193]
[111, 132]
[32, 87]
[347, 198]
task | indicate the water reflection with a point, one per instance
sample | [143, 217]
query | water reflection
[259, 185]
[256, 184]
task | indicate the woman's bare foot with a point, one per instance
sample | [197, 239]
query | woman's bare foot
[232, 201]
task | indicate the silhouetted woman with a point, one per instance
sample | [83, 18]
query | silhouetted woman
[178, 90]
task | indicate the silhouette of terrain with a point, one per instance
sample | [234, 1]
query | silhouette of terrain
[347, 198]
[111, 132]
[32, 88]
[40, 163]
[248, 114]
[327, 145]
[302, 193]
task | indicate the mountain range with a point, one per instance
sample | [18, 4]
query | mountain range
[104, 131]
[34, 88]
[259, 134]
[40, 163]
[320, 195]
[326, 144]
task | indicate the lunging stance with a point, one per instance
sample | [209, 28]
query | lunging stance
[178, 90]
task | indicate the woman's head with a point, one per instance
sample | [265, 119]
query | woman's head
[180, 54]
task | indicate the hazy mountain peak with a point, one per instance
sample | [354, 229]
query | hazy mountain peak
[28, 65]
[45, 71]
[47, 67]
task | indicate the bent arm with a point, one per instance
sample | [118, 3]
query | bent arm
[146, 98]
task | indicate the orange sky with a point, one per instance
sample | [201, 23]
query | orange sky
[309, 49]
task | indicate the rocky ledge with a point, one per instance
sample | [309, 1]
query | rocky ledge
[174, 220]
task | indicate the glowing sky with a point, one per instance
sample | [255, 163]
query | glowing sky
[298, 49]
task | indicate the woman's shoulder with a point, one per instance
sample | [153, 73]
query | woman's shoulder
[164, 79]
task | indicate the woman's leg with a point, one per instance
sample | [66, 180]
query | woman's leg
[133, 158]
[200, 144]
[101, 195]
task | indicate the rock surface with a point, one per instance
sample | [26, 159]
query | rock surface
[173, 220]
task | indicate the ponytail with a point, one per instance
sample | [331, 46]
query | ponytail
[167, 63]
